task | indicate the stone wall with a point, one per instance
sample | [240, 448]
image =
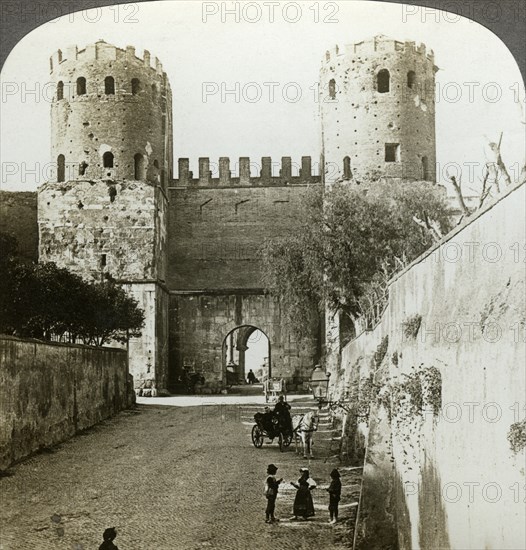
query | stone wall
[132, 117]
[18, 216]
[215, 234]
[455, 483]
[49, 392]
[199, 324]
[358, 119]
[115, 228]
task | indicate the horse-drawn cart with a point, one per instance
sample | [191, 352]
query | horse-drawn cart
[268, 425]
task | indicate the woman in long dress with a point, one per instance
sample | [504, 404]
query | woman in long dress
[303, 505]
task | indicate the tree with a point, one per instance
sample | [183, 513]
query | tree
[46, 301]
[348, 243]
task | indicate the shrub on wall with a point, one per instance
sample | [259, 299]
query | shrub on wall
[517, 436]
[411, 326]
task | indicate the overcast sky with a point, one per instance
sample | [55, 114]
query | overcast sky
[202, 45]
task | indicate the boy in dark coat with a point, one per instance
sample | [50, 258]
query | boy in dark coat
[335, 491]
[271, 492]
[108, 537]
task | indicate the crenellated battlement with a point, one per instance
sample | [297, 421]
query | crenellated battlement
[377, 45]
[244, 168]
[102, 51]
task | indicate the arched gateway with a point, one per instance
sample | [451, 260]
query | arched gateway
[246, 348]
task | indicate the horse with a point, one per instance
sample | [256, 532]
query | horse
[304, 426]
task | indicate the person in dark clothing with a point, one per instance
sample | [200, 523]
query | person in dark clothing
[335, 491]
[109, 536]
[251, 377]
[303, 504]
[282, 410]
[271, 493]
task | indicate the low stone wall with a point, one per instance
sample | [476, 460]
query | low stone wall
[49, 392]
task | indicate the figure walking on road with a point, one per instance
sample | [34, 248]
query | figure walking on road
[303, 504]
[271, 492]
[251, 377]
[335, 491]
[108, 536]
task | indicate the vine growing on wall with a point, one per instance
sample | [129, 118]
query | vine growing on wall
[517, 436]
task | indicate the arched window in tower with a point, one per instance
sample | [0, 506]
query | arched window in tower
[425, 168]
[411, 79]
[332, 88]
[81, 85]
[138, 162]
[156, 164]
[107, 160]
[109, 85]
[136, 86]
[60, 90]
[61, 168]
[154, 90]
[347, 174]
[382, 81]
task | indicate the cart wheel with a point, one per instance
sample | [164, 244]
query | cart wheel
[257, 437]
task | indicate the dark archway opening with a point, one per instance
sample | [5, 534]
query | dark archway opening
[246, 348]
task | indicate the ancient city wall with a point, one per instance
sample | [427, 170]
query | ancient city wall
[215, 233]
[199, 324]
[360, 118]
[110, 102]
[449, 477]
[49, 392]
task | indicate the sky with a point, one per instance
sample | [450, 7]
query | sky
[217, 47]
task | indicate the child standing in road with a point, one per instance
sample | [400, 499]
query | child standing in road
[108, 537]
[335, 491]
[271, 492]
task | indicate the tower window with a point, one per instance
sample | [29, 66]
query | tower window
[411, 79]
[109, 85]
[347, 168]
[138, 161]
[136, 86]
[332, 88]
[61, 168]
[102, 260]
[107, 160]
[154, 90]
[156, 163]
[392, 152]
[60, 90]
[382, 81]
[81, 85]
[425, 168]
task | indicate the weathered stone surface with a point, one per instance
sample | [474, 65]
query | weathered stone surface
[358, 121]
[49, 392]
[455, 476]
[198, 330]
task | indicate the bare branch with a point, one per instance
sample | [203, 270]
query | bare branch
[460, 198]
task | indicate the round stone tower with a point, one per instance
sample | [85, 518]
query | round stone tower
[111, 116]
[377, 101]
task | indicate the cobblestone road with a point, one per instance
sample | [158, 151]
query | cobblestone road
[167, 478]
